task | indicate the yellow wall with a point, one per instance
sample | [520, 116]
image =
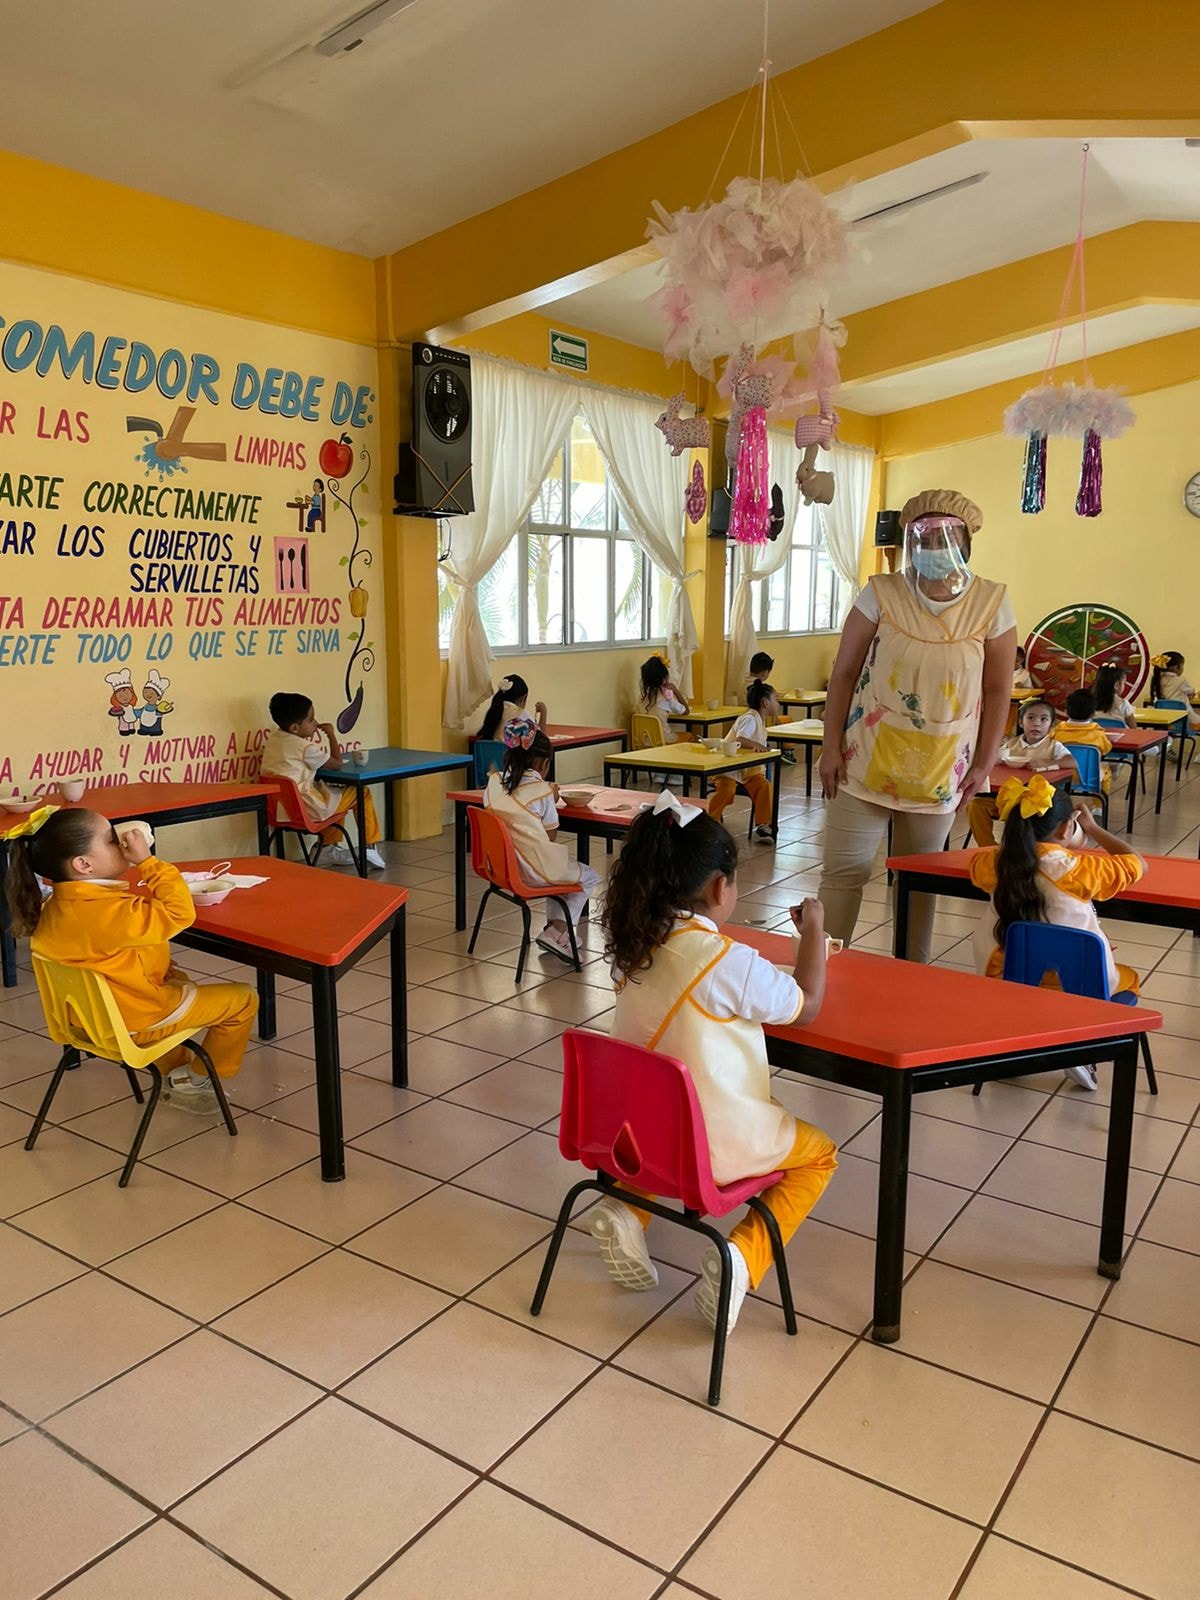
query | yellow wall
[1139, 555]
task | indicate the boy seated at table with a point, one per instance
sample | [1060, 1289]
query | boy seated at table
[298, 748]
[761, 667]
[1035, 746]
[1081, 727]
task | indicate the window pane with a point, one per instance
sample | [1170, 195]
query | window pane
[801, 565]
[544, 589]
[548, 507]
[729, 571]
[589, 599]
[777, 588]
[824, 614]
[589, 488]
[629, 590]
[498, 599]
[446, 593]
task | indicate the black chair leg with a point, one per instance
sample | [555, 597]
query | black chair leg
[218, 1087]
[525, 938]
[562, 906]
[721, 1331]
[1148, 1063]
[560, 1229]
[487, 894]
[143, 1127]
[135, 1085]
[978, 1089]
[761, 1209]
[68, 1059]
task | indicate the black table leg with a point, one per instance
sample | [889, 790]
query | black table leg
[1133, 783]
[893, 1200]
[399, 971]
[360, 812]
[329, 1086]
[1179, 740]
[808, 755]
[1116, 1161]
[608, 775]
[264, 831]
[461, 827]
[8, 944]
[900, 927]
[266, 1004]
[1162, 773]
[583, 847]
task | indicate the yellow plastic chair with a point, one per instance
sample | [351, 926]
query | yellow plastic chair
[645, 731]
[82, 1015]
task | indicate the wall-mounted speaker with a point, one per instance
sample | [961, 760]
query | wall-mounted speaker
[888, 532]
[434, 474]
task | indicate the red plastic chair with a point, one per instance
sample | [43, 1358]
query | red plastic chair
[284, 807]
[494, 858]
[633, 1116]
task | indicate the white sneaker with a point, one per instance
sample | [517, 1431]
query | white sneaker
[622, 1241]
[187, 1093]
[710, 1286]
[765, 835]
[1083, 1076]
[557, 944]
[341, 854]
[374, 859]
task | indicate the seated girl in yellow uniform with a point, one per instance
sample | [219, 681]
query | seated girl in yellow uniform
[293, 752]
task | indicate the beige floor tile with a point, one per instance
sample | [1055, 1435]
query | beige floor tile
[1177, 1099]
[1005, 1571]
[165, 1427]
[1173, 986]
[1001, 1108]
[1180, 1022]
[267, 1073]
[438, 1138]
[500, 1029]
[293, 1013]
[1080, 1125]
[841, 1116]
[209, 1265]
[1032, 1249]
[1136, 1524]
[429, 1010]
[96, 1083]
[583, 1307]
[10, 1425]
[549, 1055]
[23, 1055]
[990, 1331]
[328, 1320]
[871, 1541]
[28, 1268]
[933, 1434]
[451, 1239]
[366, 1102]
[58, 1162]
[832, 1274]
[452, 943]
[1139, 1383]
[163, 1561]
[41, 1550]
[14, 1124]
[518, 1090]
[482, 981]
[574, 1003]
[431, 966]
[435, 1065]
[23, 1011]
[100, 1221]
[314, 1533]
[360, 1038]
[681, 1463]
[1187, 1162]
[358, 990]
[262, 1150]
[372, 1189]
[72, 1340]
[1174, 1218]
[495, 1544]
[531, 1174]
[768, 1375]
[947, 1151]
[852, 1198]
[116, 1125]
[1158, 1289]
[1066, 1184]
[482, 1414]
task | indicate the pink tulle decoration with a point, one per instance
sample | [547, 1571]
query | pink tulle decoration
[750, 522]
[1091, 477]
[1069, 410]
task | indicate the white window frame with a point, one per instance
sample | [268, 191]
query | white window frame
[810, 549]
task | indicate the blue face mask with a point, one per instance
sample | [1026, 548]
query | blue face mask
[935, 564]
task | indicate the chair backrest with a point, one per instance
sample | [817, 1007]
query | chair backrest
[488, 756]
[635, 1114]
[81, 1012]
[1109, 722]
[645, 731]
[493, 854]
[1032, 949]
[286, 808]
[1170, 705]
[1087, 759]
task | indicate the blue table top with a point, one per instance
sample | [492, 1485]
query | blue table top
[388, 762]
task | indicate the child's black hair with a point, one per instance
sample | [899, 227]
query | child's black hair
[1174, 659]
[1105, 688]
[662, 869]
[1020, 655]
[760, 661]
[1018, 897]
[1028, 705]
[288, 709]
[45, 854]
[517, 691]
[655, 672]
[1081, 705]
[518, 761]
[757, 692]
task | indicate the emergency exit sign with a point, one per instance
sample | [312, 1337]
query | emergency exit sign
[568, 350]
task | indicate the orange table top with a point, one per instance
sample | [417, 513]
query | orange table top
[898, 1014]
[1169, 880]
[117, 800]
[301, 911]
[607, 805]
[1136, 738]
[567, 734]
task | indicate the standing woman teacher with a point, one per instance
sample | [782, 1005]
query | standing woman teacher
[918, 701]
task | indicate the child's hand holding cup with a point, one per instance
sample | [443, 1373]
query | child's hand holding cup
[137, 841]
[809, 918]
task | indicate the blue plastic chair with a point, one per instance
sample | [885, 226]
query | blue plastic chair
[1089, 785]
[487, 754]
[1182, 729]
[1120, 758]
[1077, 957]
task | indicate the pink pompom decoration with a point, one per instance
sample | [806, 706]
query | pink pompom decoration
[1069, 410]
[751, 519]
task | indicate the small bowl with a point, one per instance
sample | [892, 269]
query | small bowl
[211, 897]
[22, 807]
[711, 705]
[574, 797]
[360, 757]
[72, 790]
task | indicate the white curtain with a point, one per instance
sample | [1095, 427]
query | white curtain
[844, 522]
[519, 421]
[650, 485]
[756, 562]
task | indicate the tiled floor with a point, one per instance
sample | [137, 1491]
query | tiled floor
[231, 1380]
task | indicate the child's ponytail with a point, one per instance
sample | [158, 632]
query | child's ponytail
[525, 747]
[663, 869]
[45, 854]
[21, 889]
[1018, 897]
[655, 673]
[1170, 661]
[514, 689]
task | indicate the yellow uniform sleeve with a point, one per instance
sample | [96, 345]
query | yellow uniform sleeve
[1096, 875]
[983, 870]
[167, 910]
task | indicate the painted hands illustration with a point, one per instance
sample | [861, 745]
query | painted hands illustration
[164, 452]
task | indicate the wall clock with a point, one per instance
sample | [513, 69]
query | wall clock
[1191, 495]
[1067, 648]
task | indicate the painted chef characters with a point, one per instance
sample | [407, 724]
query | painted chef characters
[145, 720]
[154, 704]
[122, 701]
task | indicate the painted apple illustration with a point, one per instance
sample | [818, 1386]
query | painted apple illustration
[337, 457]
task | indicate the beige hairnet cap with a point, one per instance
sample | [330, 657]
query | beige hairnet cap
[943, 503]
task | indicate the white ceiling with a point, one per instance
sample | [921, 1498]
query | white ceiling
[448, 108]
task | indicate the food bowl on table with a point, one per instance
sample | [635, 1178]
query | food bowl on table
[574, 797]
[23, 807]
[210, 888]
[1011, 759]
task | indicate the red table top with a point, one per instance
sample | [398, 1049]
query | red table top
[315, 916]
[898, 1014]
[118, 800]
[1136, 738]
[1169, 880]
[616, 805]
[568, 735]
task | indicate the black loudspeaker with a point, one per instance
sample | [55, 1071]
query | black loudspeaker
[887, 530]
[434, 476]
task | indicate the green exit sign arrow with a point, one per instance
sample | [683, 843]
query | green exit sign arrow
[567, 350]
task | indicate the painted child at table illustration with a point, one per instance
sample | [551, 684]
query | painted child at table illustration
[94, 919]
[1042, 872]
[154, 706]
[523, 798]
[686, 989]
[122, 700]
[297, 749]
[316, 506]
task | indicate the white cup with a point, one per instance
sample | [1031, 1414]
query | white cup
[712, 704]
[72, 789]
[122, 828]
[360, 757]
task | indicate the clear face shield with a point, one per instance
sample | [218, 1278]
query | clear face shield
[935, 555]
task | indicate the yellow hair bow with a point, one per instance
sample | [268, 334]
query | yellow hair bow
[1035, 797]
[31, 823]
[1161, 662]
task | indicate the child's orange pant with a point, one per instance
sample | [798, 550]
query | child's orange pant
[227, 1011]
[345, 808]
[755, 785]
[807, 1169]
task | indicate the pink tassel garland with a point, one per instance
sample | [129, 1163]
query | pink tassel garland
[1091, 477]
[751, 518]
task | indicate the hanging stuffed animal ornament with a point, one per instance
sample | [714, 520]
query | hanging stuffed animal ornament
[683, 433]
[696, 499]
[818, 432]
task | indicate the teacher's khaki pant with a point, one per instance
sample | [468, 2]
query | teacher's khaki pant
[854, 831]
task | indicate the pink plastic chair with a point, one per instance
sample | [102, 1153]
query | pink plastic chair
[634, 1117]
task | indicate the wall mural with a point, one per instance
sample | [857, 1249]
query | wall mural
[188, 512]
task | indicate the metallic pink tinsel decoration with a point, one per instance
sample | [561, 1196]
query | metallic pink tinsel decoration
[751, 519]
[1091, 477]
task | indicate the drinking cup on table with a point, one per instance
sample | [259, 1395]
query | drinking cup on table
[360, 757]
[72, 789]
